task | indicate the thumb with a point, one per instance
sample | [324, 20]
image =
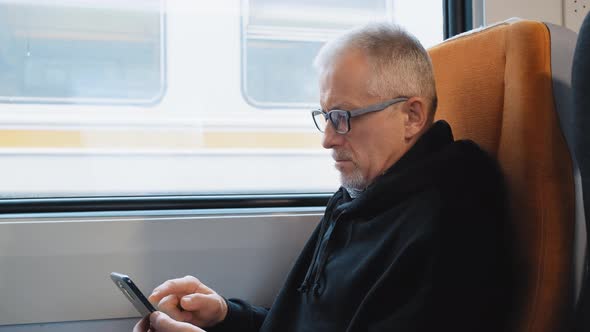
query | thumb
[161, 322]
[143, 325]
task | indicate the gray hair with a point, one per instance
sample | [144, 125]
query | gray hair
[400, 64]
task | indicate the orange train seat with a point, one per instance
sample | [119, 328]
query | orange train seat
[500, 87]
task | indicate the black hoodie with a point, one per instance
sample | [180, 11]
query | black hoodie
[421, 249]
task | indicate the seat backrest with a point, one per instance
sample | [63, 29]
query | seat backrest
[495, 87]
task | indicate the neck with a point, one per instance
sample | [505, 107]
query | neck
[353, 192]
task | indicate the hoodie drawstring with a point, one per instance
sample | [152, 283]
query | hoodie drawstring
[304, 287]
[320, 258]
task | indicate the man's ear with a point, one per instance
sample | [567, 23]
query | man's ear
[416, 118]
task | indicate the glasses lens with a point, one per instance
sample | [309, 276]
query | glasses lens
[320, 120]
[339, 120]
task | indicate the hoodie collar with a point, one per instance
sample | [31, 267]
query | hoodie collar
[434, 139]
[404, 176]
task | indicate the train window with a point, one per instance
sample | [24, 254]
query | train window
[77, 76]
[79, 51]
[281, 38]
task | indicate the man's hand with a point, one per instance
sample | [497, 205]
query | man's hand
[160, 322]
[188, 300]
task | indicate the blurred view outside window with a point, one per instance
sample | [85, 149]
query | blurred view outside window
[281, 38]
[176, 97]
[81, 51]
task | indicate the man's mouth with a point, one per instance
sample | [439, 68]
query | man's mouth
[342, 162]
[341, 159]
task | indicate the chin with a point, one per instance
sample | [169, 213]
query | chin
[354, 181]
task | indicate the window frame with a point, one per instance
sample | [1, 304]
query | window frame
[29, 206]
[461, 16]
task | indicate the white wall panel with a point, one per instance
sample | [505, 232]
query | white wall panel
[542, 10]
[57, 269]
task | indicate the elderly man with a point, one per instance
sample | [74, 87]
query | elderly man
[412, 241]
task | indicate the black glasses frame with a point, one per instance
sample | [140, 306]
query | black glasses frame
[352, 114]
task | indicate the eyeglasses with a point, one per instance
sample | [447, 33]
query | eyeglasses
[341, 119]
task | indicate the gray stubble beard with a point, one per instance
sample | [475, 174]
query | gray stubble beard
[355, 180]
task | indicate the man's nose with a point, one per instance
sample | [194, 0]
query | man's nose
[331, 137]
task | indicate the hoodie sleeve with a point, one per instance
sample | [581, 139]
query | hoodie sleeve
[241, 316]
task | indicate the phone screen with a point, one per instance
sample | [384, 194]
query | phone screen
[132, 293]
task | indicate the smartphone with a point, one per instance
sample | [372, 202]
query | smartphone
[133, 294]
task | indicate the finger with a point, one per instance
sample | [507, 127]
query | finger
[143, 325]
[163, 323]
[207, 310]
[195, 302]
[181, 286]
[171, 306]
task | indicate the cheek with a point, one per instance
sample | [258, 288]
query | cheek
[373, 145]
[380, 149]
[361, 154]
